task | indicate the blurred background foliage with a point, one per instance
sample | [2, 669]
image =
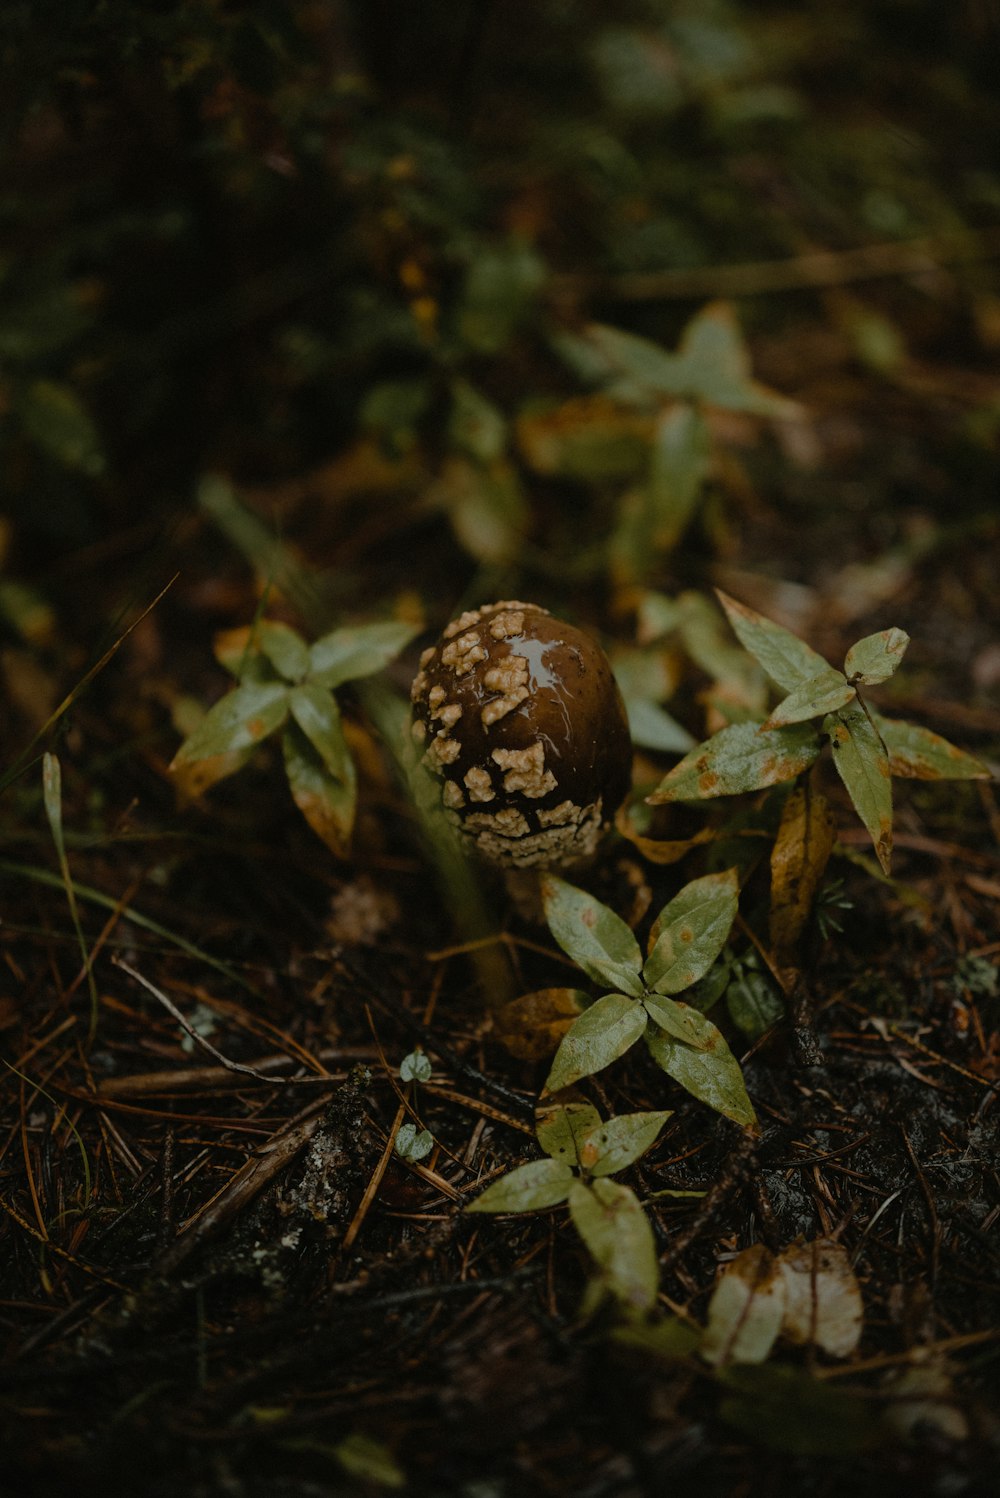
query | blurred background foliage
[352, 255]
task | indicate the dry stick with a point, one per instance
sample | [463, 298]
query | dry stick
[241, 1188]
[171, 1007]
[798, 273]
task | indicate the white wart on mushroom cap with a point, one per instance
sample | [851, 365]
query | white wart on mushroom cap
[521, 720]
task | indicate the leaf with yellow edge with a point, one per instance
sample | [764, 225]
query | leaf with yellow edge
[799, 858]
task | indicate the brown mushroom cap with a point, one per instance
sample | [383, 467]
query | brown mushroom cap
[521, 720]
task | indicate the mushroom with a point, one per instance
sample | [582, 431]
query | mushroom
[520, 720]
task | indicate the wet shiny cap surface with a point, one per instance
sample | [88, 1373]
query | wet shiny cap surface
[519, 716]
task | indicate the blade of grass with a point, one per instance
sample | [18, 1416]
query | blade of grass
[97, 897]
[84, 1157]
[52, 792]
[21, 763]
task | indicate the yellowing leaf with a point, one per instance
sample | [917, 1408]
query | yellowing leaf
[326, 801]
[561, 1129]
[799, 858]
[532, 1026]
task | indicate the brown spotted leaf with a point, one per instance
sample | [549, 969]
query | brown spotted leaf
[742, 757]
[863, 766]
[916, 753]
[799, 858]
[691, 931]
[876, 657]
[240, 720]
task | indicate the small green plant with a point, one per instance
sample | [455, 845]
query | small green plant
[285, 684]
[583, 1152]
[411, 1142]
[685, 941]
[867, 748]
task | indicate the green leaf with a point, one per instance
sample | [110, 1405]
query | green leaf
[327, 801]
[654, 516]
[672, 1339]
[238, 721]
[612, 1146]
[486, 505]
[239, 651]
[717, 360]
[753, 1004]
[56, 419]
[876, 657]
[709, 990]
[916, 753]
[713, 1076]
[500, 286]
[475, 424]
[746, 1309]
[787, 660]
[711, 364]
[412, 1143]
[863, 765]
[561, 1128]
[691, 931]
[527, 1188]
[359, 650]
[681, 1021]
[416, 1067]
[597, 940]
[652, 728]
[317, 714]
[603, 1032]
[368, 1460]
[284, 648]
[679, 467]
[619, 1239]
[823, 693]
[742, 757]
[788, 1410]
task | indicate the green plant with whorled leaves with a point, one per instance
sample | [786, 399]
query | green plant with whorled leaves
[582, 1153]
[286, 685]
[643, 1001]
